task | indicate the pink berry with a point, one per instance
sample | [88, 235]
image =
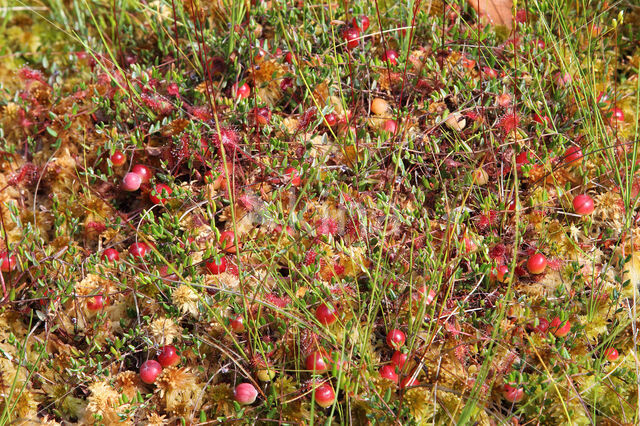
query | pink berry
[245, 394]
[536, 264]
[351, 35]
[317, 362]
[409, 381]
[559, 328]
[583, 204]
[131, 182]
[149, 371]
[572, 155]
[391, 56]
[7, 263]
[389, 372]
[241, 92]
[502, 274]
[331, 119]
[617, 114]
[398, 359]
[543, 325]
[168, 356]
[324, 395]
[216, 267]
[138, 249]
[262, 116]
[361, 23]
[611, 354]
[512, 393]
[95, 303]
[293, 176]
[156, 196]
[390, 126]
[288, 58]
[396, 338]
[490, 72]
[428, 293]
[227, 242]
[111, 255]
[143, 171]
[237, 324]
[325, 315]
[118, 158]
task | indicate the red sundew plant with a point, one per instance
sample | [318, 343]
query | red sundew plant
[206, 217]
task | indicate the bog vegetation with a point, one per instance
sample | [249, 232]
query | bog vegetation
[292, 212]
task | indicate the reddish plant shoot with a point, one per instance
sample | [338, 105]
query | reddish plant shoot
[583, 204]
[522, 158]
[245, 394]
[324, 395]
[537, 263]
[149, 371]
[542, 119]
[168, 356]
[396, 338]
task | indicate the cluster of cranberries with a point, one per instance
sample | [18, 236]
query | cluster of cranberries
[151, 369]
[139, 175]
[396, 340]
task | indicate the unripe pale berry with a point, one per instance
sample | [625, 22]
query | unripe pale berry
[245, 394]
[131, 182]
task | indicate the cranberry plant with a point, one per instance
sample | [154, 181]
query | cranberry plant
[392, 214]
